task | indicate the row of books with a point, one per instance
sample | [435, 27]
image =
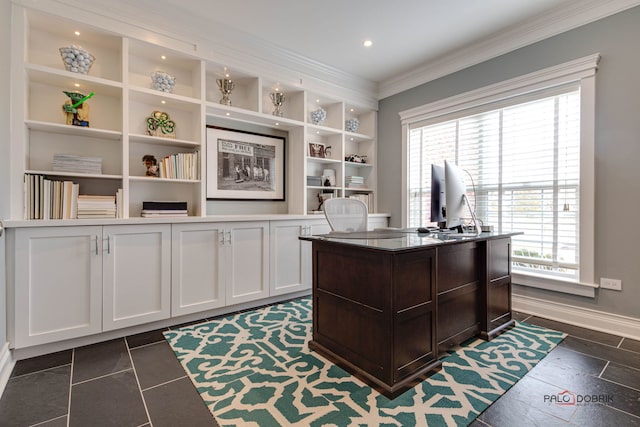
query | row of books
[159, 209]
[46, 198]
[77, 164]
[367, 198]
[180, 166]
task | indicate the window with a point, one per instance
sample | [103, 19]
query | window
[526, 145]
[524, 163]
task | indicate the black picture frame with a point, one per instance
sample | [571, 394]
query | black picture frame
[242, 165]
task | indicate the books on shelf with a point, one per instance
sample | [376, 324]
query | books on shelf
[367, 198]
[77, 164]
[160, 209]
[180, 166]
[46, 198]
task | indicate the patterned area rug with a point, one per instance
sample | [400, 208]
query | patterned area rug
[255, 369]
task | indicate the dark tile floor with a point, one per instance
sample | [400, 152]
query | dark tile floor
[137, 381]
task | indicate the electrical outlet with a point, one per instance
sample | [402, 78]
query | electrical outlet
[614, 284]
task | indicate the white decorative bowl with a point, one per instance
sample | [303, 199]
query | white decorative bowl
[76, 59]
[163, 81]
[318, 116]
[352, 125]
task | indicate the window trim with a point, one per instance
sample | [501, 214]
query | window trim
[581, 71]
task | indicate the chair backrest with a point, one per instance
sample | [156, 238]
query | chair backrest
[346, 215]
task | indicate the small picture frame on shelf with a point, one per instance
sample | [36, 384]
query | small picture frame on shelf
[244, 165]
[316, 149]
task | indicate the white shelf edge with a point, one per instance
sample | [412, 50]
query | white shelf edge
[322, 160]
[358, 165]
[73, 174]
[44, 70]
[359, 137]
[159, 94]
[73, 130]
[148, 139]
[250, 116]
[162, 180]
[324, 130]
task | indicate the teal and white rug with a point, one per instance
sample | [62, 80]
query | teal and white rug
[256, 369]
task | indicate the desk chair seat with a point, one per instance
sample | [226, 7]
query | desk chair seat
[346, 215]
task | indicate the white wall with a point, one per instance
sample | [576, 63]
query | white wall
[5, 47]
[617, 148]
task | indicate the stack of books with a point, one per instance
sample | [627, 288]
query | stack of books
[355, 182]
[155, 209]
[92, 206]
[77, 164]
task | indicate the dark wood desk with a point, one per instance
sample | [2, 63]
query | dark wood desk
[386, 308]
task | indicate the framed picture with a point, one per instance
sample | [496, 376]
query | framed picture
[316, 149]
[244, 165]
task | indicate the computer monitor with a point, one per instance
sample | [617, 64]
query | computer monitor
[438, 195]
[456, 198]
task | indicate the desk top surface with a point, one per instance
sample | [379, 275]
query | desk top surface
[392, 240]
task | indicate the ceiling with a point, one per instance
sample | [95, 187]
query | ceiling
[409, 37]
[404, 33]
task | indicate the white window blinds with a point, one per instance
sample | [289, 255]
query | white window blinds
[523, 155]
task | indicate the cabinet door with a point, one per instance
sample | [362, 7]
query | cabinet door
[58, 284]
[197, 282]
[320, 226]
[137, 274]
[246, 261]
[286, 256]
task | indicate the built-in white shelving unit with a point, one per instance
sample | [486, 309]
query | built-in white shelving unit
[124, 97]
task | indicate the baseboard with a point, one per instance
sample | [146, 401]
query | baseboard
[628, 327]
[6, 366]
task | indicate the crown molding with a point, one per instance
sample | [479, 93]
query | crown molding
[562, 19]
[220, 45]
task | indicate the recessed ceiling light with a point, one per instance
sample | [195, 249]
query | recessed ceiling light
[163, 57]
[367, 43]
[277, 124]
[77, 33]
[77, 84]
[163, 102]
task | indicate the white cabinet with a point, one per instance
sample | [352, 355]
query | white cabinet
[57, 285]
[137, 274]
[289, 255]
[75, 281]
[314, 227]
[245, 252]
[197, 279]
[217, 264]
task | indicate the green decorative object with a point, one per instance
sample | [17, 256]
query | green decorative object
[76, 109]
[159, 124]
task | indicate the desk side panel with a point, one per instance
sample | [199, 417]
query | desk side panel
[414, 313]
[352, 305]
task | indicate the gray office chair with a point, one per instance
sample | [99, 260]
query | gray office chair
[346, 215]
